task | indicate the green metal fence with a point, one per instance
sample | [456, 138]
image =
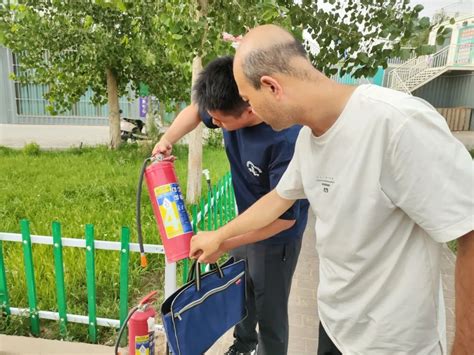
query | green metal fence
[210, 213]
[218, 208]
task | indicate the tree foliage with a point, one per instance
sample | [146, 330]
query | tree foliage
[358, 36]
[70, 45]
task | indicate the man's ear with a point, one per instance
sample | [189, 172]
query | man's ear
[272, 84]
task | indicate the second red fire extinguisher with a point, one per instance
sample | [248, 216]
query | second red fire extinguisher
[141, 327]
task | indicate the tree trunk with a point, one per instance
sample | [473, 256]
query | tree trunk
[114, 115]
[195, 151]
[195, 137]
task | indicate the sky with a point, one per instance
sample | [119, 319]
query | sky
[432, 6]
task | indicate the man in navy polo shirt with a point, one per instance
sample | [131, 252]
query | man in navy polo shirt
[258, 158]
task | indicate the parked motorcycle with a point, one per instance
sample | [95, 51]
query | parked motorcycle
[131, 129]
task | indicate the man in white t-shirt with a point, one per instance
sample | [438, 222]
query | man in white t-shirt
[388, 184]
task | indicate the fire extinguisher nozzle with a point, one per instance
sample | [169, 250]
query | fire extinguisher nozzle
[143, 260]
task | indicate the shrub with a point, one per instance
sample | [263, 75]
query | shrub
[215, 138]
[31, 149]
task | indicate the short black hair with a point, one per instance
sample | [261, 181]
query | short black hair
[216, 89]
[275, 59]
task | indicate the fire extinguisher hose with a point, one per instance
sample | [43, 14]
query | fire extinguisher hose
[143, 260]
[122, 328]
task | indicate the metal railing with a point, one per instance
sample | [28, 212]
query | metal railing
[210, 213]
[396, 82]
[419, 68]
[400, 61]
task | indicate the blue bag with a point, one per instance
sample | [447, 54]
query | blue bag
[202, 310]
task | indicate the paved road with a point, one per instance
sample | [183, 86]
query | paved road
[57, 136]
[51, 136]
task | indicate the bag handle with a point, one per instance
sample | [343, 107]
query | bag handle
[195, 273]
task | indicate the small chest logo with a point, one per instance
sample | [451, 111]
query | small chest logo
[238, 281]
[255, 170]
[326, 183]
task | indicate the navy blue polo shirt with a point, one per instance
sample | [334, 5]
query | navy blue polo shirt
[258, 157]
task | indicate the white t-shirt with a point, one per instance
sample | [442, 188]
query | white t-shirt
[388, 183]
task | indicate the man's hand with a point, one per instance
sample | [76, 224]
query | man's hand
[205, 246]
[186, 121]
[164, 147]
[213, 258]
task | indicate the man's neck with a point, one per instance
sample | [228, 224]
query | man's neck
[326, 104]
[254, 121]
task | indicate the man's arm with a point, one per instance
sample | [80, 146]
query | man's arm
[186, 121]
[255, 236]
[464, 281]
[259, 215]
[251, 237]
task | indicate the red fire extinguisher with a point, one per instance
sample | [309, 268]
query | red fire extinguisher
[141, 328]
[169, 209]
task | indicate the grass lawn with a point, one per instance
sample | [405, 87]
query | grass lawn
[76, 187]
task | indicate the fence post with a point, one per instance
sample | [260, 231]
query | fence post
[124, 263]
[203, 219]
[90, 273]
[30, 276]
[202, 222]
[194, 209]
[224, 199]
[229, 199]
[214, 210]
[232, 198]
[4, 302]
[219, 202]
[170, 278]
[209, 210]
[59, 274]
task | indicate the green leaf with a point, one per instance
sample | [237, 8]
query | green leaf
[426, 49]
[332, 71]
[425, 22]
[363, 57]
[405, 54]
[268, 15]
[418, 8]
[393, 36]
[88, 21]
[440, 40]
[120, 5]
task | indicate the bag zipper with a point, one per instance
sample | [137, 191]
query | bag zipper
[207, 295]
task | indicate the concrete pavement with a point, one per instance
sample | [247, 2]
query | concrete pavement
[65, 136]
[13, 345]
[466, 138]
[52, 136]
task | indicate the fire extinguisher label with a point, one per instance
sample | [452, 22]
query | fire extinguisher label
[172, 209]
[145, 344]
